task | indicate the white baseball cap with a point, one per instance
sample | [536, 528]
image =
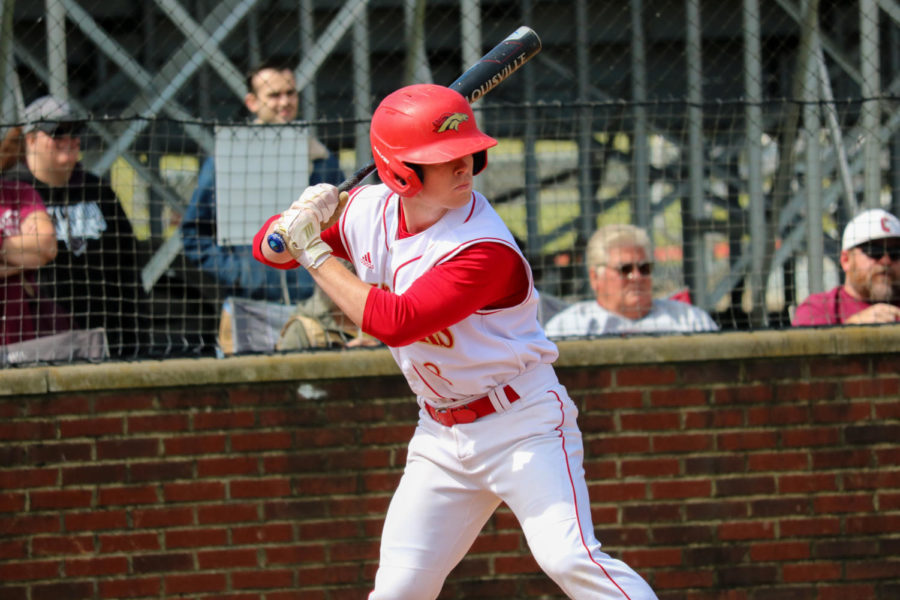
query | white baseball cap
[47, 113]
[873, 224]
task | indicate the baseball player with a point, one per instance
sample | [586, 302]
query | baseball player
[440, 280]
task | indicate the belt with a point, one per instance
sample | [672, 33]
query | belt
[468, 413]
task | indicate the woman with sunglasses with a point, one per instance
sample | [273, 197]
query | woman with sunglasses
[620, 270]
[870, 258]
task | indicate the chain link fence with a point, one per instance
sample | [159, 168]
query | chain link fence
[742, 135]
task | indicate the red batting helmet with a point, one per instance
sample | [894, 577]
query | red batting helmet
[424, 124]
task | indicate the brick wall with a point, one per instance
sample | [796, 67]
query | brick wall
[736, 466]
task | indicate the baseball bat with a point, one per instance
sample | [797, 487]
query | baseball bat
[493, 68]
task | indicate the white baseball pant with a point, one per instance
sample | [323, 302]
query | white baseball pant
[529, 457]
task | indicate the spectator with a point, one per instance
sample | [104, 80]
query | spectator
[96, 274]
[273, 99]
[870, 258]
[27, 241]
[620, 275]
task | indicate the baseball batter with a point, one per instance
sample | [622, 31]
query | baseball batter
[440, 280]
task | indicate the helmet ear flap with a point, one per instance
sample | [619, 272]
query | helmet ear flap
[402, 178]
[479, 162]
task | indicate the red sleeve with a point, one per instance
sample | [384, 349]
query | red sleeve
[487, 275]
[330, 236]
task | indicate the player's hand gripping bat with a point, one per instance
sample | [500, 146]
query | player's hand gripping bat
[498, 64]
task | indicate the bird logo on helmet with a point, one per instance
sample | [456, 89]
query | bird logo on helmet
[423, 124]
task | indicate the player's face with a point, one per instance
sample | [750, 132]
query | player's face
[624, 285]
[871, 271]
[448, 185]
[274, 98]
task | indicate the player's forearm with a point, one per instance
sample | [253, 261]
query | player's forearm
[343, 287]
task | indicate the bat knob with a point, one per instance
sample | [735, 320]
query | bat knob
[276, 243]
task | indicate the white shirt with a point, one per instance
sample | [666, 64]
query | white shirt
[589, 318]
[487, 349]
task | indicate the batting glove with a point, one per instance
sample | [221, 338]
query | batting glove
[314, 254]
[320, 200]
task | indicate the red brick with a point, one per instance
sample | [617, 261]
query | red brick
[227, 513]
[29, 524]
[669, 580]
[132, 587]
[678, 397]
[249, 442]
[698, 488]
[18, 431]
[12, 550]
[888, 501]
[239, 419]
[777, 415]
[651, 421]
[872, 388]
[617, 492]
[45, 452]
[145, 494]
[844, 503]
[778, 461]
[170, 561]
[650, 467]
[746, 530]
[815, 572]
[746, 440]
[60, 545]
[817, 526]
[619, 444]
[96, 520]
[194, 491]
[685, 442]
[55, 499]
[652, 557]
[295, 555]
[707, 419]
[844, 412]
[841, 459]
[875, 523]
[378, 435]
[886, 410]
[128, 543]
[745, 486]
[70, 590]
[845, 592]
[196, 583]
[95, 427]
[161, 471]
[613, 399]
[262, 534]
[874, 569]
[157, 423]
[130, 402]
[162, 517]
[734, 394]
[780, 551]
[816, 436]
[259, 488]
[806, 390]
[12, 502]
[59, 405]
[93, 474]
[645, 376]
[23, 571]
[195, 444]
[127, 448]
[262, 579]
[196, 538]
[211, 560]
[93, 567]
[221, 467]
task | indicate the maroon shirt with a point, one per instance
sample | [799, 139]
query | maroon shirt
[833, 307]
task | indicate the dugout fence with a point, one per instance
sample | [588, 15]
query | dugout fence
[743, 135]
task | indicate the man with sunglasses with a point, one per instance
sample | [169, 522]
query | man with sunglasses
[96, 274]
[870, 258]
[620, 270]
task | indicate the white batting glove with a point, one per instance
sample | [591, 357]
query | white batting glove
[320, 200]
[314, 254]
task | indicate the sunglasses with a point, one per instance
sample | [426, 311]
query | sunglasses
[626, 269]
[875, 251]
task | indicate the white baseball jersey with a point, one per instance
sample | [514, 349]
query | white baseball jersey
[589, 318]
[466, 360]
